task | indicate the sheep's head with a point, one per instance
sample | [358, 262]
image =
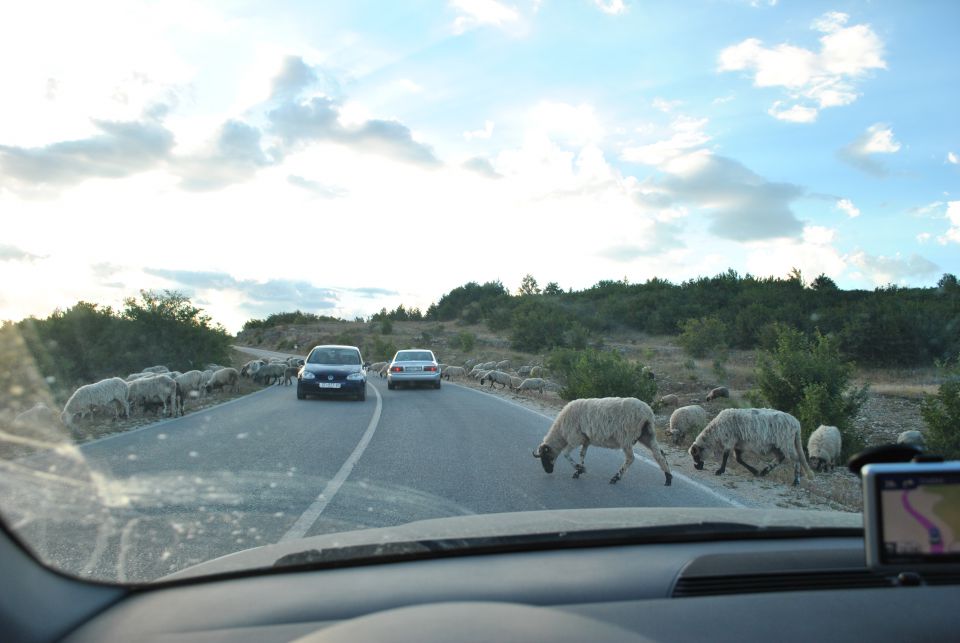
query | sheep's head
[816, 463]
[697, 452]
[547, 457]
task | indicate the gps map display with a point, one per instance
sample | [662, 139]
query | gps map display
[920, 517]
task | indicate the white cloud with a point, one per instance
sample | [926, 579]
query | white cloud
[923, 237]
[484, 133]
[952, 235]
[665, 105]
[812, 80]
[476, 13]
[611, 7]
[686, 134]
[883, 270]
[878, 139]
[574, 125]
[953, 159]
[847, 206]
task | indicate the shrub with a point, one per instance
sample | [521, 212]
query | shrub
[941, 414]
[386, 326]
[698, 337]
[383, 350]
[808, 378]
[592, 373]
[464, 340]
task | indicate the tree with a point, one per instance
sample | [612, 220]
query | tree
[698, 337]
[528, 286]
[594, 373]
[553, 288]
[941, 414]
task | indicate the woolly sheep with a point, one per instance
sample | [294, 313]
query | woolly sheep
[762, 431]
[383, 371]
[270, 374]
[156, 369]
[290, 374]
[501, 378]
[669, 400]
[913, 438]
[204, 378]
[823, 447]
[503, 365]
[470, 363]
[489, 366]
[453, 371]
[720, 391]
[223, 378]
[609, 422]
[251, 367]
[532, 384]
[136, 376]
[524, 371]
[687, 420]
[295, 361]
[375, 367]
[112, 392]
[214, 367]
[537, 371]
[160, 389]
[188, 385]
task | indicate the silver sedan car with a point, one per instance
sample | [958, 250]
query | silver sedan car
[413, 366]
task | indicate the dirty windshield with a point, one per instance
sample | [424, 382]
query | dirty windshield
[670, 256]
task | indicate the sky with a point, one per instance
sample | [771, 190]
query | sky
[339, 158]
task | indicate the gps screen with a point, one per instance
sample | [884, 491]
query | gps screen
[919, 517]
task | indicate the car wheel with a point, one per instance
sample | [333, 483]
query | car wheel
[362, 395]
[300, 395]
[437, 385]
[391, 385]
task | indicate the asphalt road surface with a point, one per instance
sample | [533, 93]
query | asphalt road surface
[267, 467]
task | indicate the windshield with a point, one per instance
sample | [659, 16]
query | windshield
[731, 227]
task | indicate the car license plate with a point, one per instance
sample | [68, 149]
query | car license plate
[413, 368]
[329, 384]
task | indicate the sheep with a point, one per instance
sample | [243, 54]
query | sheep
[669, 400]
[609, 422]
[489, 366]
[720, 391]
[531, 384]
[112, 391]
[760, 430]
[383, 371]
[537, 371]
[214, 367]
[204, 378]
[503, 365]
[453, 371]
[159, 388]
[290, 374]
[499, 377]
[188, 385]
[223, 378]
[251, 367]
[524, 371]
[687, 420]
[295, 361]
[823, 447]
[270, 374]
[156, 369]
[136, 376]
[470, 363]
[913, 438]
[375, 367]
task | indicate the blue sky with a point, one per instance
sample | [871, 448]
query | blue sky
[339, 159]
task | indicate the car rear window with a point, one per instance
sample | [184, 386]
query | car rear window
[415, 356]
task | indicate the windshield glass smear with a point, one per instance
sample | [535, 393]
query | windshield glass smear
[677, 262]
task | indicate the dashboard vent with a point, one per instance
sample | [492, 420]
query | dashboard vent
[784, 582]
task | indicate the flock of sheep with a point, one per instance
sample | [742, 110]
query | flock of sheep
[273, 370]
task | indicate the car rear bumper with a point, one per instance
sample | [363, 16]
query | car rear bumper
[397, 378]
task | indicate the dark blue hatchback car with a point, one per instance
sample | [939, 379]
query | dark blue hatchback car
[333, 370]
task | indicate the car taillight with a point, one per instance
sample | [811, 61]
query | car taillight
[396, 369]
[430, 368]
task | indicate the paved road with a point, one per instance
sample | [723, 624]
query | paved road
[268, 467]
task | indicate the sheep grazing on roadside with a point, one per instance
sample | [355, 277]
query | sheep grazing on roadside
[295, 361]
[156, 369]
[503, 365]
[489, 366]
[375, 367]
[223, 378]
[669, 400]
[112, 392]
[498, 377]
[251, 367]
[761, 431]
[470, 363]
[136, 376]
[687, 420]
[537, 371]
[823, 447]
[270, 374]
[720, 391]
[913, 438]
[453, 371]
[524, 371]
[214, 367]
[204, 378]
[609, 422]
[531, 384]
[290, 374]
[188, 386]
[383, 371]
[159, 389]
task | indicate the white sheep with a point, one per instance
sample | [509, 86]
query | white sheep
[251, 367]
[204, 378]
[531, 384]
[156, 369]
[189, 384]
[499, 377]
[290, 374]
[609, 422]
[375, 367]
[669, 400]
[524, 371]
[222, 378]
[157, 389]
[762, 431]
[136, 376]
[453, 371]
[111, 392]
[687, 420]
[720, 391]
[537, 371]
[503, 365]
[823, 447]
[913, 438]
[270, 374]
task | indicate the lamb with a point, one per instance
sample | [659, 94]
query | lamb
[609, 422]
[913, 438]
[290, 374]
[188, 385]
[112, 392]
[453, 371]
[760, 430]
[669, 400]
[720, 391]
[270, 374]
[499, 377]
[159, 388]
[532, 384]
[823, 447]
[687, 420]
[223, 378]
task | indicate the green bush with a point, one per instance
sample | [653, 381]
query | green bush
[464, 341]
[809, 378]
[386, 327]
[698, 337]
[941, 414]
[592, 373]
[381, 351]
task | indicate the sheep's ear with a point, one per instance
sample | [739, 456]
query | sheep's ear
[536, 452]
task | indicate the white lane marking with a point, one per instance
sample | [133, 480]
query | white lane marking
[640, 456]
[310, 516]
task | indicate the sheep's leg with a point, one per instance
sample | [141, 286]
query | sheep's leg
[738, 454]
[628, 452]
[723, 463]
[770, 467]
[649, 440]
[583, 454]
[796, 474]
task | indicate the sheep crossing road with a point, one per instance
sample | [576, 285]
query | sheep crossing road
[260, 468]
